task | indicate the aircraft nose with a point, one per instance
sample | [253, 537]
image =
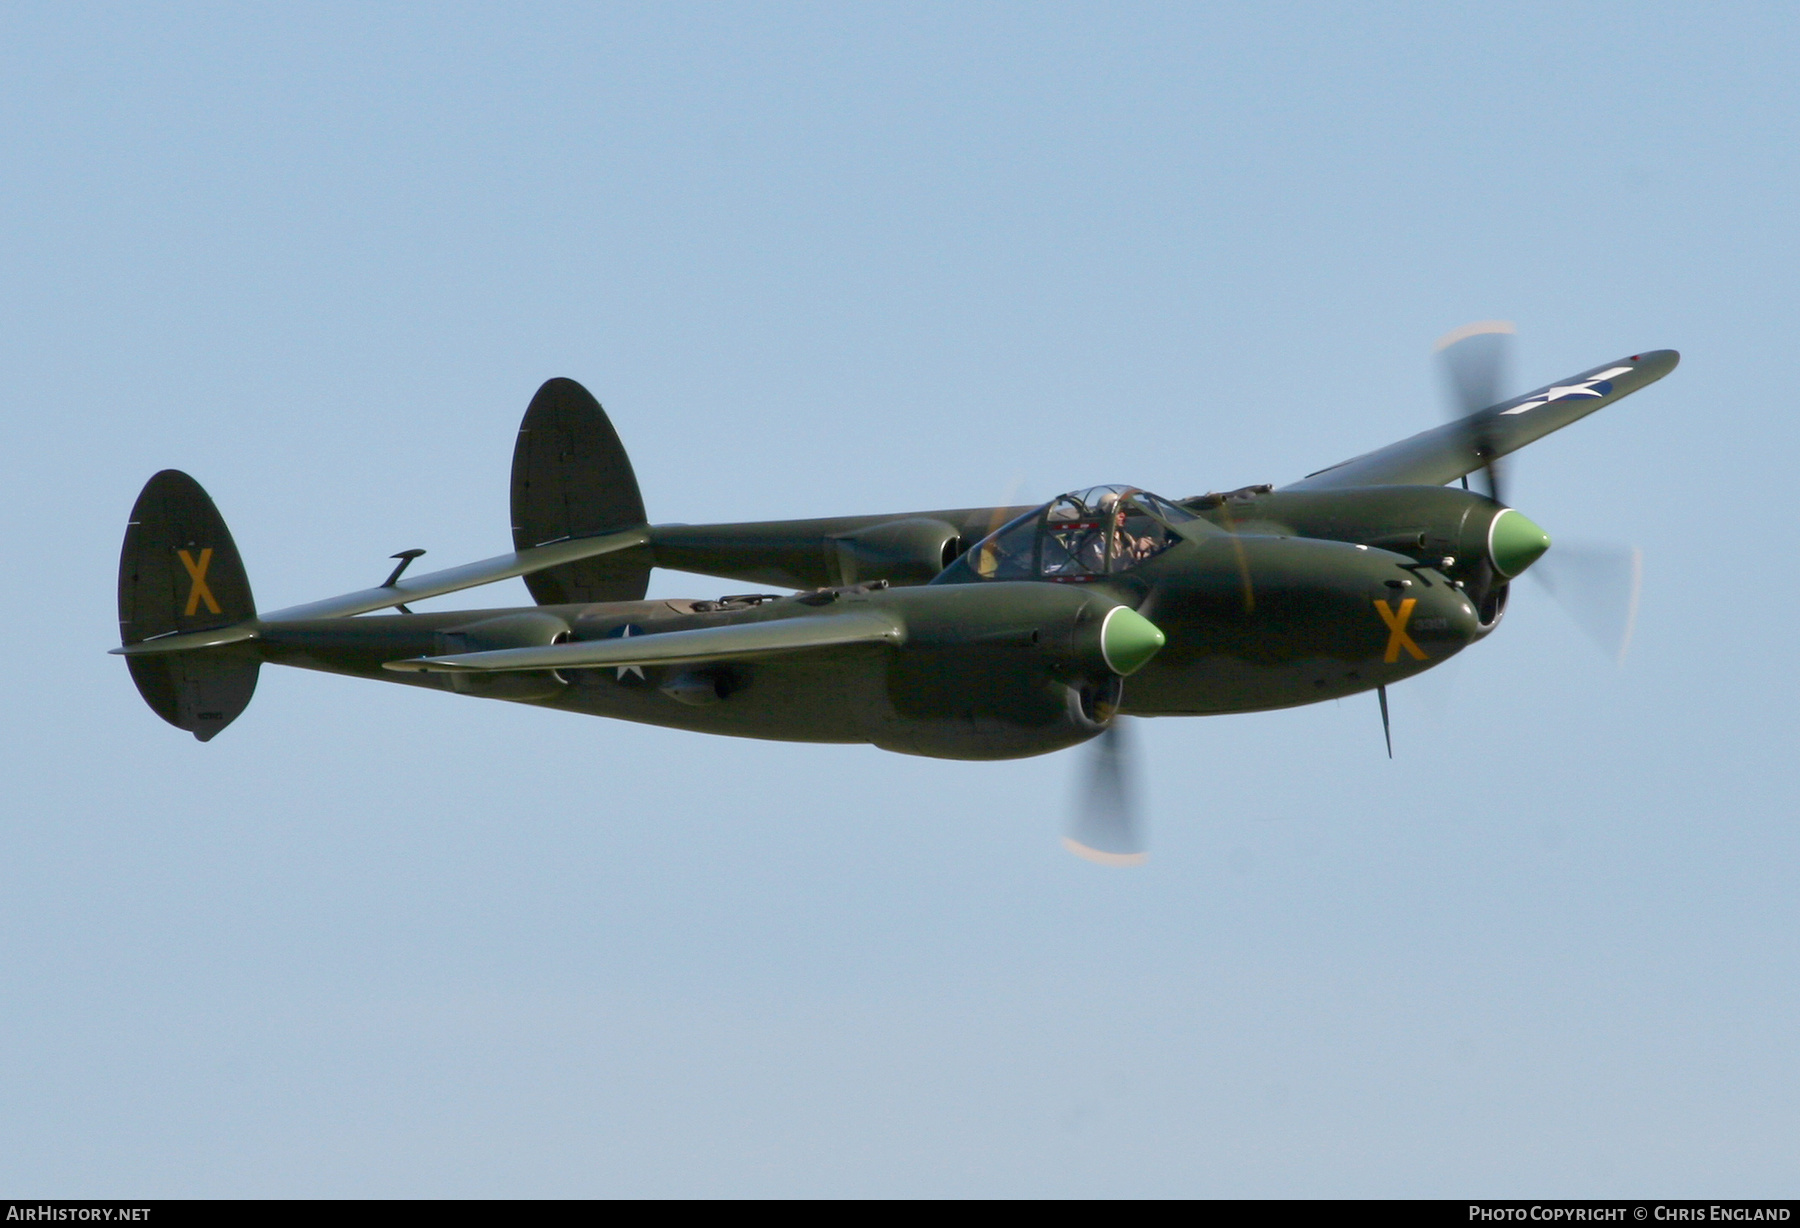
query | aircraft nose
[1425, 620]
[1462, 625]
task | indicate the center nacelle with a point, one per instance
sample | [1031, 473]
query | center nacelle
[1257, 621]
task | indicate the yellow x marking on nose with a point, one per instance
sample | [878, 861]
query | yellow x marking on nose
[1396, 625]
[197, 573]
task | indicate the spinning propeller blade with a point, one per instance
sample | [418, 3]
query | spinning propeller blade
[1107, 828]
[1598, 587]
[1475, 359]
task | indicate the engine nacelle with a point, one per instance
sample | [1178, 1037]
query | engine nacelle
[908, 551]
[993, 718]
[1005, 670]
[1477, 543]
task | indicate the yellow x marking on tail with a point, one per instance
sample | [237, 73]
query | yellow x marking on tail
[1396, 625]
[197, 573]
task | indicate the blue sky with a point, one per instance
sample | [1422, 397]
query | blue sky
[819, 259]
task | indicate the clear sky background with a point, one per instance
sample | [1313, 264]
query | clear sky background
[822, 259]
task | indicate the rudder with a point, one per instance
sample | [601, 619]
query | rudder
[571, 478]
[179, 571]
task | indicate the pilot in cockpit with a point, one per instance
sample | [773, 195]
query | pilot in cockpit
[1075, 537]
[1126, 547]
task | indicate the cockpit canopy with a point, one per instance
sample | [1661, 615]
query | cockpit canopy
[1081, 536]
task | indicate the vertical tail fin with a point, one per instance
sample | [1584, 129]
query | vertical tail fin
[571, 478]
[179, 571]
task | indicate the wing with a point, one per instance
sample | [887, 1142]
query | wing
[737, 642]
[1445, 453]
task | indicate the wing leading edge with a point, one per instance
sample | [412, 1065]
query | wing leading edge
[1445, 453]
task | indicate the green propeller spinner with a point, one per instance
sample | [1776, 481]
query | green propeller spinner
[1128, 640]
[1515, 543]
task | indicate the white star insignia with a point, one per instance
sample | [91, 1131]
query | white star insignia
[629, 669]
[1562, 392]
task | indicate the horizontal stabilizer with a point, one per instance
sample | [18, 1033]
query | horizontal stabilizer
[702, 644]
[469, 575]
[1448, 452]
[434, 584]
[188, 641]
